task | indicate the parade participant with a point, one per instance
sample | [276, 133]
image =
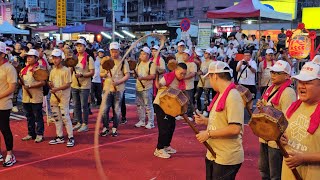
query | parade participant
[189, 80]
[224, 125]
[167, 123]
[117, 88]
[204, 85]
[60, 82]
[179, 54]
[96, 86]
[146, 71]
[301, 138]
[264, 75]
[84, 70]
[280, 96]
[8, 80]
[33, 106]
[246, 69]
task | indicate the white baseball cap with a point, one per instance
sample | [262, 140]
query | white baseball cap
[146, 50]
[309, 71]
[81, 41]
[218, 67]
[156, 47]
[100, 50]
[114, 45]
[32, 52]
[269, 51]
[281, 66]
[316, 59]
[3, 47]
[189, 52]
[181, 44]
[56, 53]
[60, 42]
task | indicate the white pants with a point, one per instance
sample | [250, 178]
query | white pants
[61, 115]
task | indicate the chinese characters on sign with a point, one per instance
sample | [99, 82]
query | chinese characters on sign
[61, 13]
[228, 29]
[300, 46]
[204, 34]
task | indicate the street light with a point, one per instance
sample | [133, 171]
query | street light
[129, 34]
[116, 33]
[106, 35]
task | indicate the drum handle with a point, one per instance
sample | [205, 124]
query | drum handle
[55, 95]
[135, 73]
[196, 131]
[22, 83]
[74, 69]
[286, 155]
[115, 88]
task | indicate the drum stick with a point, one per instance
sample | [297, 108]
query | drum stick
[196, 131]
[115, 88]
[74, 69]
[23, 85]
[135, 73]
[286, 155]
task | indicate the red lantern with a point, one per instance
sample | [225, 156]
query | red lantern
[300, 46]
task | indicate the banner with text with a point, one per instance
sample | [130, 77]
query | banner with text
[204, 35]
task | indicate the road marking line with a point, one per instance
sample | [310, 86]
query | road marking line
[81, 150]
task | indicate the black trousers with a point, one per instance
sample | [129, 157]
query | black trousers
[96, 91]
[5, 128]
[166, 127]
[216, 171]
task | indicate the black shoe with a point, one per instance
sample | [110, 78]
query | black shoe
[123, 121]
[104, 132]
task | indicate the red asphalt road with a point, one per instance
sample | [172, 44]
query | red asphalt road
[128, 156]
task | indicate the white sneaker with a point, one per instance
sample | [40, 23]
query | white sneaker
[179, 117]
[140, 124]
[170, 150]
[77, 126]
[149, 126]
[205, 114]
[57, 140]
[15, 109]
[10, 161]
[83, 128]
[190, 119]
[161, 153]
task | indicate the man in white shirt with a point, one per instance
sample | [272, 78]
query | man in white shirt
[233, 41]
[246, 69]
[213, 48]
[239, 34]
[270, 42]
[231, 52]
[96, 86]
[221, 52]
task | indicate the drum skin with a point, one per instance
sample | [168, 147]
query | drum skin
[268, 123]
[40, 74]
[172, 64]
[107, 63]
[173, 102]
